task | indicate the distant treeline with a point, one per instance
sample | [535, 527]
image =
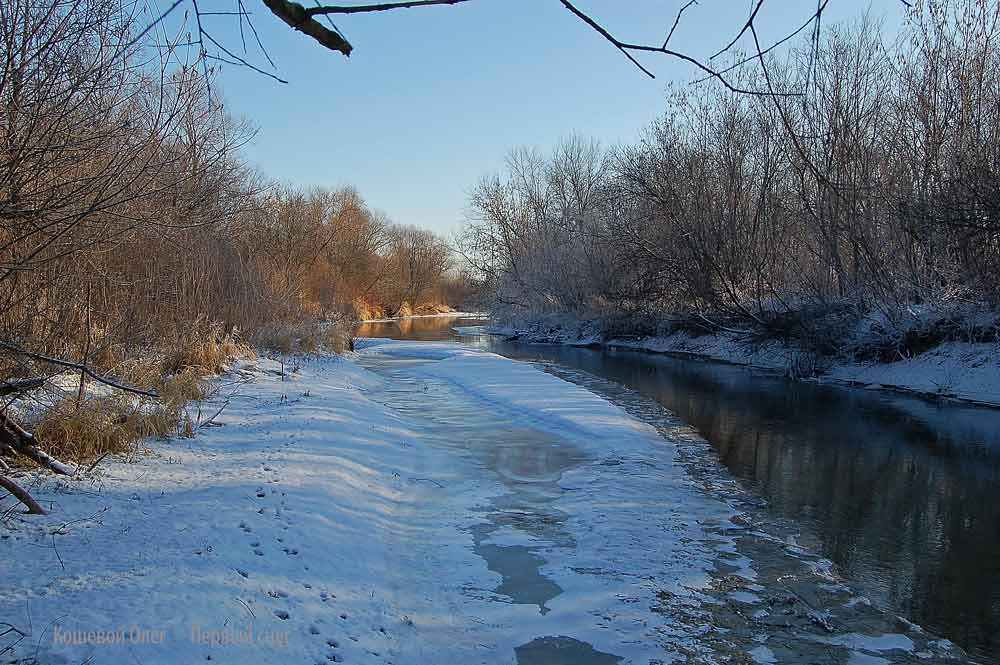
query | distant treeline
[127, 218]
[863, 189]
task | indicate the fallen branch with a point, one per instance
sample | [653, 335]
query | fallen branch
[24, 443]
[13, 387]
[77, 366]
[21, 495]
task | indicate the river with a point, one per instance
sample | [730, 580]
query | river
[901, 494]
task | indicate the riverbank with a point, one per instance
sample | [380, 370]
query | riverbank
[412, 503]
[439, 315]
[962, 371]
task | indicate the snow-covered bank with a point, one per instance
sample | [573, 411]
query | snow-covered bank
[414, 503]
[440, 315]
[318, 524]
[252, 542]
[952, 370]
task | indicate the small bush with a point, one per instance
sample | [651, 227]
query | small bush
[365, 310]
[432, 308]
[206, 347]
[307, 337]
[94, 427]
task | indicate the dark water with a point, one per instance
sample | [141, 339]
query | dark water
[902, 494]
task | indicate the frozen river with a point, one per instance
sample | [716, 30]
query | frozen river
[902, 495]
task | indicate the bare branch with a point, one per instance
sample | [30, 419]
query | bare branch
[607, 35]
[746, 26]
[295, 16]
[677, 21]
[625, 48]
[77, 366]
[21, 495]
[13, 387]
[385, 6]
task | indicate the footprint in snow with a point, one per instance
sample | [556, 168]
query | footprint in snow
[282, 614]
[243, 573]
[290, 551]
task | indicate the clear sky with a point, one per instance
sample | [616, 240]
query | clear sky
[433, 98]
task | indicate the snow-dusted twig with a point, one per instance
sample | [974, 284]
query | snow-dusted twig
[61, 530]
[97, 461]
[426, 480]
[11, 628]
[210, 422]
[247, 606]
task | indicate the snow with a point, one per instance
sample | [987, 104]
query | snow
[231, 531]
[514, 388]
[955, 370]
[317, 524]
[762, 655]
[960, 370]
[467, 331]
[877, 643]
[410, 503]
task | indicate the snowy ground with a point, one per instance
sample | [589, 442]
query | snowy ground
[420, 503]
[956, 370]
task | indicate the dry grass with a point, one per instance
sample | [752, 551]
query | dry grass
[99, 426]
[308, 337]
[116, 424]
[337, 339]
[80, 430]
[207, 348]
[365, 310]
[433, 308]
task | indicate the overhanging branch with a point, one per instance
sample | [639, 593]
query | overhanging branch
[381, 7]
[298, 18]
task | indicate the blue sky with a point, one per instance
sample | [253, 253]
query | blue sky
[433, 98]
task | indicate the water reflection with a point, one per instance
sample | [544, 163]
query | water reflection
[561, 650]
